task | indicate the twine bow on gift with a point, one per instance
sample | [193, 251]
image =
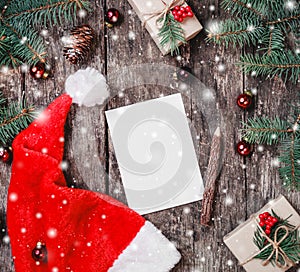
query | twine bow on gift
[162, 14]
[277, 250]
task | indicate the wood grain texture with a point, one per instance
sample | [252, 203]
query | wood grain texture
[244, 185]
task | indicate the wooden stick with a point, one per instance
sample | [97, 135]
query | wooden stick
[211, 177]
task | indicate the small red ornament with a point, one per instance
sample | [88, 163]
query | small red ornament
[180, 13]
[112, 17]
[244, 148]
[39, 71]
[6, 154]
[184, 73]
[244, 100]
[39, 253]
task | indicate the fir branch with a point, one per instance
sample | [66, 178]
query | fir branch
[245, 8]
[285, 65]
[13, 119]
[269, 21]
[22, 43]
[289, 159]
[263, 130]
[171, 34]
[237, 32]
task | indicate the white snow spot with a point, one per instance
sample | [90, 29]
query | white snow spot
[44, 150]
[64, 165]
[6, 239]
[52, 233]
[52, 196]
[89, 244]
[228, 201]
[65, 202]
[23, 230]
[221, 67]
[291, 5]
[212, 8]
[230, 263]
[44, 32]
[251, 28]
[82, 13]
[54, 269]
[260, 148]
[252, 186]
[38, 215]
[61, 139]
[202, 259]
[13, 197]
[103, 216]
[186, 210]
[131, 35]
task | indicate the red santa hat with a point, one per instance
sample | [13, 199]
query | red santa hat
[55, 228]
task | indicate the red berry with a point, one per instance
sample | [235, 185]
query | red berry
[261, 217]
[180, 19]
[274, 220]
[266, 214]
[179, 13]
[182, 9]
[174, 12]
[268, 232]
[262, 224]
[269, 218]
[188, 8]
[190, 14]
[184, 15]
[177, 8]
[176, 17]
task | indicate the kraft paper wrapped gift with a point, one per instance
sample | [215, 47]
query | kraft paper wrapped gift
[191, 26]
[240, 240]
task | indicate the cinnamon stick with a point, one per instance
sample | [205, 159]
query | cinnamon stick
[211, 177]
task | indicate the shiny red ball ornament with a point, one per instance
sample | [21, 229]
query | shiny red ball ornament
[112, 17]
[184, 73]
[39, 71]
[6, 154]
[39, 253]
[244, 148]
[244, 100]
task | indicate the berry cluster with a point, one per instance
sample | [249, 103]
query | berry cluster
[180, 13]
[267, 221]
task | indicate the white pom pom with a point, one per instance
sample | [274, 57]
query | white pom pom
[87, 87]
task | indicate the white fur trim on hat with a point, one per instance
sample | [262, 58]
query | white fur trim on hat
[149, 251]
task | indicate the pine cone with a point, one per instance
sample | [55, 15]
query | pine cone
[80, 43]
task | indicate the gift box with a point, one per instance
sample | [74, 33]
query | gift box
[148, 12]
[240, 241]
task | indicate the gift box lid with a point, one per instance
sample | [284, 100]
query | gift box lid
[240, 240]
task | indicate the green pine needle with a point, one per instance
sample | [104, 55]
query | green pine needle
[171, 34]
[262, 130]
[19, 40]
[263, 24]
[14, 118]
[290, 245]
[285, 65]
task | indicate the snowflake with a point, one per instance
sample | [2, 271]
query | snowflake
[52, 233]
[230, 263]
[38, 215]
[13, 197]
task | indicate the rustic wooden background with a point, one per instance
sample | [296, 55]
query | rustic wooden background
[245, 184]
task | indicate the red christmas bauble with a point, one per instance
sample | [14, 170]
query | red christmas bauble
[184, 73]
[112, 17]
[244, 148]
[244, 100]
[39, 71]
[6, 154]
[39, 253]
